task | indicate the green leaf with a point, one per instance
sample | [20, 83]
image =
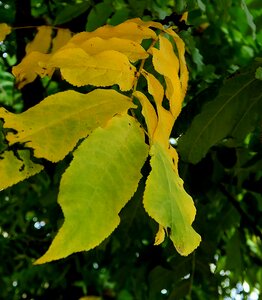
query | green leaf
[120, 16]
[16, 168]
[234, 113]
[99, 15]
[250, 19]
[259, 73]
[53, 127]
[70, 12]
[167, 202]
[102, 177]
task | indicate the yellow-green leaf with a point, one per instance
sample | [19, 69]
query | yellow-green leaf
[103, 69]
[100, 180]
[14, 169]
[4, 31]
[168, 203]
[54, 126]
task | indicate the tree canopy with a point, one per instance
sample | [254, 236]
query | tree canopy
[130, 149]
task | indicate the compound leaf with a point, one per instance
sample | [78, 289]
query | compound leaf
[100, 180]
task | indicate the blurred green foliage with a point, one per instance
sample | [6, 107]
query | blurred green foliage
[225, 38]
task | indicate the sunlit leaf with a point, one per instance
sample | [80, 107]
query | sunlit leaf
[4, 31]
[100, 180]
[167, 202]
[127, 30]
[148, 112]
[29, 68]
[166, 120]
[166, 63]
[183, 71]
[16, 168]
[31, 65]
[147, 24]
[53, 127]
[61, 38]
[103, 69]
[131, 49]
[41, 41]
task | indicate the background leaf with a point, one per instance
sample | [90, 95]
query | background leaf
[99, 15]
[71, 11]
[233, 113]
[100, 180]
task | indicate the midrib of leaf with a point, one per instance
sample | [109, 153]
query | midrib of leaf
[245, 113]
[215, 115]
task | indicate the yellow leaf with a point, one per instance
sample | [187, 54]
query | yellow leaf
[54, 126]
[61, 38]
[100, 180]
[165, 118]
[32, 64]
[168, 203]
[182, 61]
[14, 169]
[4, 31]
[29, 68]
[148, 112]
[154, 88]
[131, 49]
[127, 30]
[166, 63]
[160, 236]
[41, 41]
[147, 23]
[103, 69]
